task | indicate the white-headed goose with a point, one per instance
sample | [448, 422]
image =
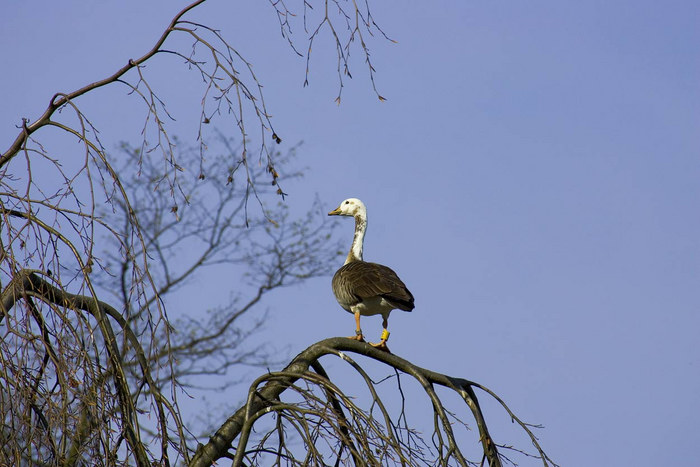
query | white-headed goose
[364, 288]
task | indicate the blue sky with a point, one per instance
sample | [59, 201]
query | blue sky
[533, 177]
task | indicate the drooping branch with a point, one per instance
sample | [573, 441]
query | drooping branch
[29, 283]
[345, 22]
[358, 432]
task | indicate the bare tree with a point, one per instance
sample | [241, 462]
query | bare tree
[212, 231]
[46, 363]
[95, 249]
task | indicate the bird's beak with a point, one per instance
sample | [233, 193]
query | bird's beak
[335, 212]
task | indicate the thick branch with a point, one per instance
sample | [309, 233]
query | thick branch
[222, 440]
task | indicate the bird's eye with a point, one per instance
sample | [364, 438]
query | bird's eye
[347, 202]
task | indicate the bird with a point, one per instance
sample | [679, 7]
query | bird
[365, 288]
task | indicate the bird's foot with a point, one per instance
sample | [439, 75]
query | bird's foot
[381, 345]
[358, 337]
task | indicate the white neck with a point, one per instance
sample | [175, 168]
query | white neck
[355, 253]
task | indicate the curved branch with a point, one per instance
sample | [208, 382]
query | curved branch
[28, 282]
[60, 99]
[266, 399]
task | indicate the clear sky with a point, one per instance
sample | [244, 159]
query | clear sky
[533, 177]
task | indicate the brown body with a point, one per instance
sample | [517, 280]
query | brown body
[370, 288]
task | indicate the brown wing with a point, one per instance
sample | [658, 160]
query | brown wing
[358, 280]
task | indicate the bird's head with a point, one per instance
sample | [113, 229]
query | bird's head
[350, 207]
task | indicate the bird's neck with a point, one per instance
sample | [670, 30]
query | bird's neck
[355, 253]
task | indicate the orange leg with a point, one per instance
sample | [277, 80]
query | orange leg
[358, 332]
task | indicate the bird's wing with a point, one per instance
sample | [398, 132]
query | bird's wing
[367, 280]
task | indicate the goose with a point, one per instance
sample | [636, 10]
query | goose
[363, 288]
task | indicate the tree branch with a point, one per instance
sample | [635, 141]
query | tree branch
[265, 399]
[29, 283]
[59, 100]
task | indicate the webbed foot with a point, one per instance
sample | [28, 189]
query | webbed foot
[381, 345]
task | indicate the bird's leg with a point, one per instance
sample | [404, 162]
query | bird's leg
[358, 332]
[381, 345]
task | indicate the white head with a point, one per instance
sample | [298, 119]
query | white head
[352, 207]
